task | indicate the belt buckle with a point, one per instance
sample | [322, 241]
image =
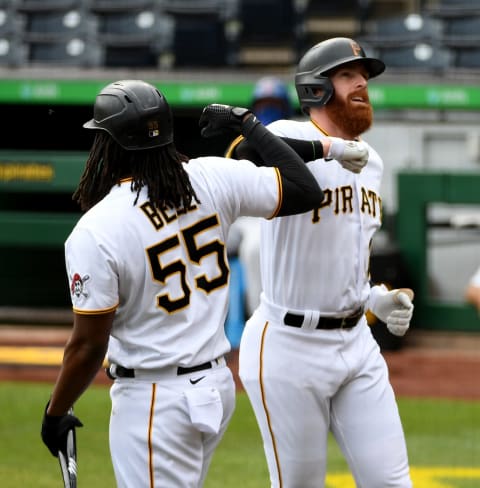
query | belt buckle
[343, 322]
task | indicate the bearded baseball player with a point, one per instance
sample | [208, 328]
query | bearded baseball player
[308, 359]
[149, 280]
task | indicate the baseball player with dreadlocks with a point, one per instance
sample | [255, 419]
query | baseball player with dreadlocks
[149, 279]
[308, 359]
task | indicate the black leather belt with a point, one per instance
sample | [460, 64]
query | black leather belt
[121, 372]
[296, 320]
[199, 367]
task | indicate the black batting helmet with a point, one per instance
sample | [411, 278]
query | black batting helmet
[134, 113]
[313, 68]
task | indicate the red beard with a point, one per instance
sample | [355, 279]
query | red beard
[351, 118]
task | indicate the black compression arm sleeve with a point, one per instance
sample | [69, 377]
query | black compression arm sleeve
[307, 150]
[300, 190]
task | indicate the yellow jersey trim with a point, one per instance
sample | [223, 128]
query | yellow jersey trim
[280, 193]
[323, 131]
[233, 145]
[95, 312]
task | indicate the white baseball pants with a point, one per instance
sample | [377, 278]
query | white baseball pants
[304, 383]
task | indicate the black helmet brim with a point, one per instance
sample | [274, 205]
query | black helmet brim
[374, 66]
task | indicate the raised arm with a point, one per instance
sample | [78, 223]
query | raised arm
[352, 155]
[241, 148]
[300, 190]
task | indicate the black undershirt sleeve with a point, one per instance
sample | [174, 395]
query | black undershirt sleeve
[307, 150]
[301, 192]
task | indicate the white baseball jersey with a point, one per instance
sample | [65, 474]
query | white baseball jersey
[165, 272]
[303, 381]
[351, 211]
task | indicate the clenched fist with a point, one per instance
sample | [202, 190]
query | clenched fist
[55, 430]
[394, 307]
[352, 155]
[218, 119]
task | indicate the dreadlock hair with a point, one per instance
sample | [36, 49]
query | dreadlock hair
[160, 169]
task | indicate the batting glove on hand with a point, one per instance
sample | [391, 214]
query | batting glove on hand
[55, 430]
[352, 155]
[217, 119]
[394, 307]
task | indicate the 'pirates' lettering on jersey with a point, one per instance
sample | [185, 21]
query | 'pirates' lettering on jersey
[341, 201]
[370, 202]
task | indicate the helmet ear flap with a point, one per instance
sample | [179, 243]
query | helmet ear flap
[313, 91]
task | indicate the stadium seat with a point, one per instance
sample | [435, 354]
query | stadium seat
[47, 5]
[206, 32]
[6, 4]
[209, 48]
[339, 8]
[340, 17]
[405, 30]
[420, 57]
[13, 53]
[462, 31]
[453, 8]
[137, 38]
[58, 24]
[269, 21]
[121, 5]
[467, 57]
[67, 52]
[11, 22]
[130, 27]
[272, 31]
[225, 8]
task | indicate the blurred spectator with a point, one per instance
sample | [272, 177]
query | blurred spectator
[271, 100]
[472, 292]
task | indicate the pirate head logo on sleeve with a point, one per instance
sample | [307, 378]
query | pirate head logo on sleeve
[77, 285]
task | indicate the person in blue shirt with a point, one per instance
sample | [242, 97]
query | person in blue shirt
[271, 100]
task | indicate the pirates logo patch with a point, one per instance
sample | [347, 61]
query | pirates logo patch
[77, 286]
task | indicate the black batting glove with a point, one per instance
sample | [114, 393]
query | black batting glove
[55, 430]
[217, 119]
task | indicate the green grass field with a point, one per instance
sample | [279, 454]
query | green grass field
[443, 439]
